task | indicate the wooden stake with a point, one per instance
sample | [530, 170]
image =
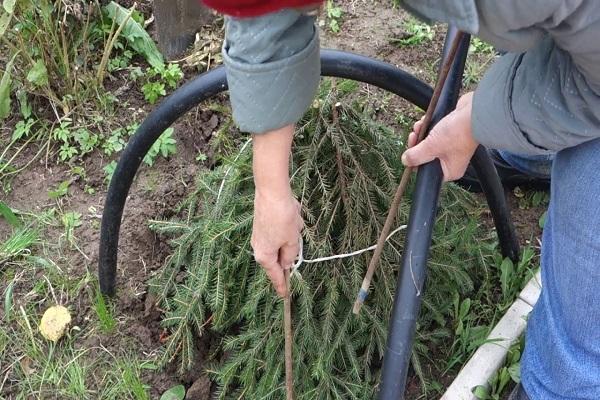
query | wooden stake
[287, 322]
[364, 289]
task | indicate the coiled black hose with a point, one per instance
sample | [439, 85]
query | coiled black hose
[425, 197]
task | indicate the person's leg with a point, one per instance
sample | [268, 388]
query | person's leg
[514, 170]
[535, 166]
[562, 346]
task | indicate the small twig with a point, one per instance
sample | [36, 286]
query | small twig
[287, 322]
[364, 289]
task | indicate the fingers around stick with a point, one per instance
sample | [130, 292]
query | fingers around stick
[417, 125]
[268, 261]
[288, 254]
[420, 154]
[412, 139]
[275, 273]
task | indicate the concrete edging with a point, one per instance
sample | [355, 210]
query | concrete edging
[491, 355]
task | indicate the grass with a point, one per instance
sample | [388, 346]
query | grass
[481, 56]
[34, 276]
[105, 314]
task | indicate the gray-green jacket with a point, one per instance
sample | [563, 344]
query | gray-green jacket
[542, 96]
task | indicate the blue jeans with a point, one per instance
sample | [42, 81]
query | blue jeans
[562, 344]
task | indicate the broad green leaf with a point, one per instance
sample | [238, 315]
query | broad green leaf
[5, 87]
[135, 34]
[38, 74]
[481, 392]
[513, 357]
[60, 191]
[504, 378]
[9, 6]
[4, 23]
[7, 213]
[515, 372]
[464, 308]
[175, 393]
[542, 220]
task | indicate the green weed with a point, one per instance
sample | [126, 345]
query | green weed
[8, 214]
[529, 199]
[116, 141]
[57, 55]
[107, 321]
[153, 91]
[499, 382]
[334, 16]
[159, 78]
[478, 46]
[417, 33]
[61, 190]
[70, 221]
[481, 55]
[166, 145]
[109, 170]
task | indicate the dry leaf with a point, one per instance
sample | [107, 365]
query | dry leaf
[25, 363]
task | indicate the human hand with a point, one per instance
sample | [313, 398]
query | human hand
[275, 235]
[451, 141]
[277, 221]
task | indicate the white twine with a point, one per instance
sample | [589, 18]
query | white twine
[302, 260]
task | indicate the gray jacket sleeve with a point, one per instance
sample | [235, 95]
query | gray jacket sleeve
[273, 68]
[544, 95]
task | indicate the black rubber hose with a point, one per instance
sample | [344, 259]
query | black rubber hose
[333, 63]
[409, 290]
[494, 194]
[177, 104]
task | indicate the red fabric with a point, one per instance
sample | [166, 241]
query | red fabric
[253, 8]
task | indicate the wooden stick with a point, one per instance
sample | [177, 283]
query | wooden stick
[287, 322]
[364, 289]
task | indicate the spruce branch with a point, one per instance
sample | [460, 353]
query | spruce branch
[212, 284]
